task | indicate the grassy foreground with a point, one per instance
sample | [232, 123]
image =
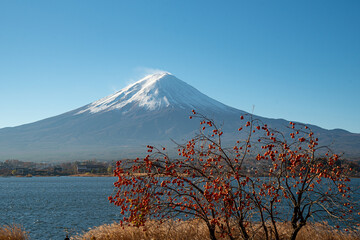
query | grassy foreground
[190, 230]
[196, 230]
[12, 232]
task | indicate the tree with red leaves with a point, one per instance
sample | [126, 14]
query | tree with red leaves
[207, 181]
[299, 182]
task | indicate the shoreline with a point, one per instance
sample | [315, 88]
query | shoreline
[83, 175]
[72, 175]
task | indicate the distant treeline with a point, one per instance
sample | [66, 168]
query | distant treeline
[20, 168]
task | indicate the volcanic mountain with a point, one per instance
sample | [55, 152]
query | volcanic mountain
[151, 111]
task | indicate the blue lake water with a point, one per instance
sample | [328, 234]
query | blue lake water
[50, 207]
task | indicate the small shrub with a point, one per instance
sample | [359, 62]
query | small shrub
[12, 232]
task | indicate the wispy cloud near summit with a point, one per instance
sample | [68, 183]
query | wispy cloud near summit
[141, 72]
[148, 71]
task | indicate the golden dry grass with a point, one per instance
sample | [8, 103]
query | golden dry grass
[197, 230]
[12, 232]
[169, 230]
[318, 231]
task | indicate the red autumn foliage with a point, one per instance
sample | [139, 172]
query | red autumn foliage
[207, 181]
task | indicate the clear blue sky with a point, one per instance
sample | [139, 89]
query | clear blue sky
[297, 60]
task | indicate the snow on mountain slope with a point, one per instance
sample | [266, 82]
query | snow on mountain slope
[155, 92]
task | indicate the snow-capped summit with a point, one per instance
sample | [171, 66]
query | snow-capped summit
[154, 92]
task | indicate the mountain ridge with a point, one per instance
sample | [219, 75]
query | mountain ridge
[152, 110]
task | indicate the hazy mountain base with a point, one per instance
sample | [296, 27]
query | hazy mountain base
[197, 230]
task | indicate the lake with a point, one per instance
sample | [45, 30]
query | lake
[50, 207]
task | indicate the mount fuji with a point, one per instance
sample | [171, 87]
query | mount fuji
[151, 111]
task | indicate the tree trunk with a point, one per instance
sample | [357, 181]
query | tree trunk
[294, 222]
[229, 230]
[277, 237]
[296, 231]
[243, 231]
[265, 230]
[212, 232]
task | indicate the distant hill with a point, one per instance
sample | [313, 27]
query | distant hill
[151, 111]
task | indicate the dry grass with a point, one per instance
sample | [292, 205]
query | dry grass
[12, 232]
[166, 231]
[197, 230]
[318, 231]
